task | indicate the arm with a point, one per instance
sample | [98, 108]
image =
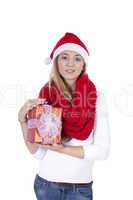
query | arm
[99, 149]
[35, 149]
[76, 151]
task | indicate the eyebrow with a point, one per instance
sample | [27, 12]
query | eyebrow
[68, 54]
[77, 55]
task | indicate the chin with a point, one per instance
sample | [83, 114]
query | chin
[71, 76]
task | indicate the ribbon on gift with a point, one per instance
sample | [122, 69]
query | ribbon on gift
[48, 123]
[32, 123]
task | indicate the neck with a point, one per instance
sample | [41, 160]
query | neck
[71, 83]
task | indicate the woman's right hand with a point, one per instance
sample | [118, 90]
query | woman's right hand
[28, 105]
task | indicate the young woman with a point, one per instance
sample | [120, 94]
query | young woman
[66, 169]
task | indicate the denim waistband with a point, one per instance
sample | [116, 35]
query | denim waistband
[63, 184]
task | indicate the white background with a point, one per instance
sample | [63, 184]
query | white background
[29, 30]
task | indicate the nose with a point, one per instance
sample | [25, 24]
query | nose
[70, 62]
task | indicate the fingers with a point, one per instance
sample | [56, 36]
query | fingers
[34, 102]
[30, 103]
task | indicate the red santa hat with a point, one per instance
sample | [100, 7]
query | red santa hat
[69, 42]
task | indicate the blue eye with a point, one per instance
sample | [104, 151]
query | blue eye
[78, 59]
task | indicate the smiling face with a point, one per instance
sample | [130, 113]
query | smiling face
[70, 65]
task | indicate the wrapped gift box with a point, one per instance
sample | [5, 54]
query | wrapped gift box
[44, 124]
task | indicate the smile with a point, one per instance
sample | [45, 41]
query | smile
[70, 70]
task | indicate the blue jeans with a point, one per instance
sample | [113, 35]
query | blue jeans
[48, 190]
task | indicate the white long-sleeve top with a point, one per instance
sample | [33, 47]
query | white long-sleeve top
[60, 167]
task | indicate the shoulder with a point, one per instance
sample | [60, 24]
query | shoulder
[101, 97]
[92, 85]
[46, 85]
[44, 90]
[102, 104]
[48, 91]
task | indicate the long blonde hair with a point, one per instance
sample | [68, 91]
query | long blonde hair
[63, 87]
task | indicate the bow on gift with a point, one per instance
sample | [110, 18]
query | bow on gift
[48, 124]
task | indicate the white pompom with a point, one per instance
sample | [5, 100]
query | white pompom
[47, 61]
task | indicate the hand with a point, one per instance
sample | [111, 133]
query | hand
[28, 106]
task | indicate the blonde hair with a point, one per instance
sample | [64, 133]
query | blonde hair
[63, 87]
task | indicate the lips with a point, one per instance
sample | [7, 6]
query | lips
[70, 70]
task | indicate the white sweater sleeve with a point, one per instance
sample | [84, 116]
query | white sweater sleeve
[40, 153]
[100, 148]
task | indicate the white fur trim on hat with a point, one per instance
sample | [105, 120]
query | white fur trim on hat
[73, 47]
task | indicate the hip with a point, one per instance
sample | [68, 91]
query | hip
[50, 190]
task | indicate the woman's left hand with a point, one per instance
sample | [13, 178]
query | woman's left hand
[54, 147]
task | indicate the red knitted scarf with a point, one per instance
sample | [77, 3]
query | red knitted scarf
[78, 114]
